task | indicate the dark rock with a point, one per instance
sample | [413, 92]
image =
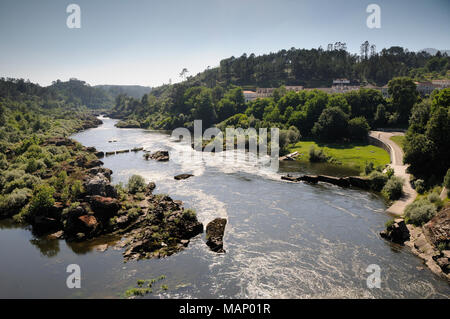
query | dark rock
[105, 207]
[43, 225]
[359, 182]
[312, 179]
[160, 156]
[290, 178]
[91, 149]
[150, 187]
[59, 141]
[94, 163]
[214, 234]
[183, 176]
[397, 232]
[437, 230]
[342, 182]
[100, 154]
[102, 170]
[100, 185]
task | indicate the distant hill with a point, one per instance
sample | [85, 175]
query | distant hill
[136, 91]
[434, 51]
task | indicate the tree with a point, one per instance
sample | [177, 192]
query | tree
[184, 73]
[332, 124]
[358, 128]
[404, 95]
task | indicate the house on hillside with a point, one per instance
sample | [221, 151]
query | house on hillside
[264, 92]
[249, 96]
[425, 88]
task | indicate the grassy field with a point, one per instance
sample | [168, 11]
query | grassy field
[399, 140]
[355, 155]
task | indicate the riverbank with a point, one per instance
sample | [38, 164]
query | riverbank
[355, 155]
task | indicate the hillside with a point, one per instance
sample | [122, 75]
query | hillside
[136, 91]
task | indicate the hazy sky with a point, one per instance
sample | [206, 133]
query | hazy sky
[149, 42]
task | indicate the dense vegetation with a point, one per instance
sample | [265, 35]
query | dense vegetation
[29, 116]
[428, 138]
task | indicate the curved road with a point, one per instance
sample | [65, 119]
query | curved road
[409, 194]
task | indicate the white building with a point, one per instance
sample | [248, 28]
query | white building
[249, 96]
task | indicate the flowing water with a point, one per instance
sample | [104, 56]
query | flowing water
[282, 240]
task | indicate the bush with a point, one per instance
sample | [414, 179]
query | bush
[76, 189]
[377, 180]
[419, 212]
[435, 199]
[189, 214]
[42, 199]
[447, 182]
[136, 184]
[390, 172]
[419, 185]
[317, 156]
[393, 189]
[12, 203]
[358, 128]
[370, 167]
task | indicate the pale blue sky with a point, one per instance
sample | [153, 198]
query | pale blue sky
[149, 42]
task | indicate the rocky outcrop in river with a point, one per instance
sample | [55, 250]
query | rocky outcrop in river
[430, 242]
[214, 234]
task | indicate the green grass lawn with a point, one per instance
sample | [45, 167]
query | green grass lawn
[399, 140]
[355, 155]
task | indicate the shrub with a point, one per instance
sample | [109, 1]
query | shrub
[369, 168]
[377, 180]
[390, 172]
[136, 184]
[419, 185]
[13, 202]
[76, 189]
[34, 165]
[419, 212]
[42, 199]
[317, 156]
[189, 214]
[435, 199]
[447, 182]
[393, 189]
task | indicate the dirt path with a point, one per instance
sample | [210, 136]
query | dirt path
[409, 194]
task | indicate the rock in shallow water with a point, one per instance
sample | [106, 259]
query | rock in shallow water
[214, 234]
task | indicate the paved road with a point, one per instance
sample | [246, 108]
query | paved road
[409, 194]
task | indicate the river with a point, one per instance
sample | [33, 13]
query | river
[282, 240]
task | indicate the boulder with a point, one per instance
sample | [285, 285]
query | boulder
[397, 232]
[93, 163]
[437, 230]
[182, 176]
[105, 207]
[290, 178]
[102, 170]
[214, 234]
[99, 185]
[150, 187]
[312, 179]
[100, 154]
[160, 156]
